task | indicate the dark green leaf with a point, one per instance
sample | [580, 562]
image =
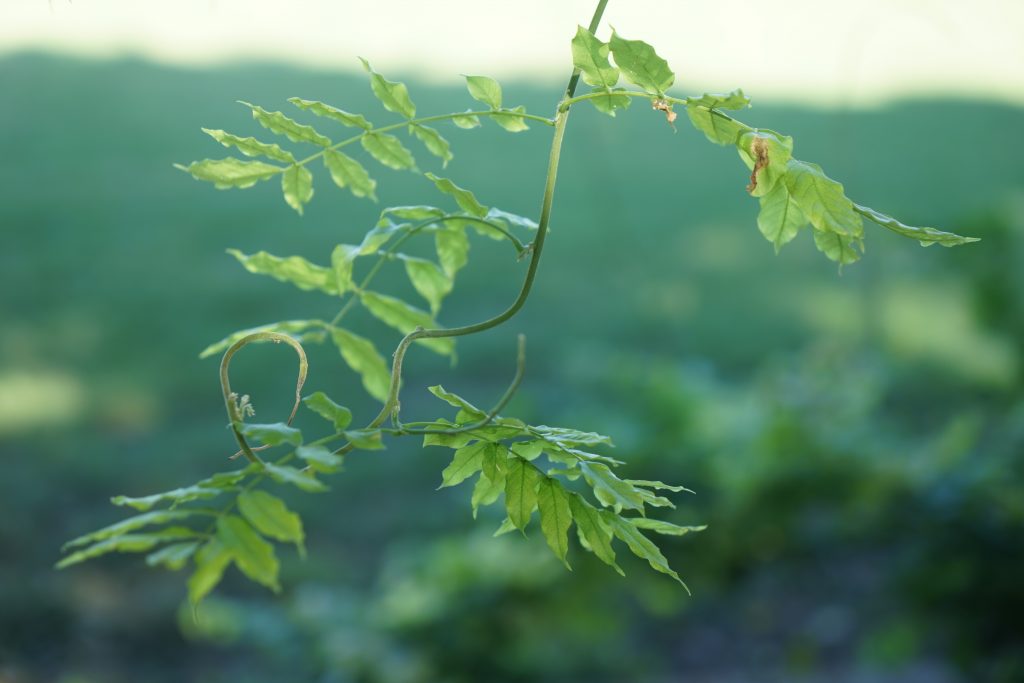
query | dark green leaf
[641, 64]
[322, 405]
[362, 356]
[251, 147]
[521, 481]
[393, 95]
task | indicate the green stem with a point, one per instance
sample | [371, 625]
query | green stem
[686, 101]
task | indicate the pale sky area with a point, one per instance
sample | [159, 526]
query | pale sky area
[839, 52]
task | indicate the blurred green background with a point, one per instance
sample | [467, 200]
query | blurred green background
[855, 440]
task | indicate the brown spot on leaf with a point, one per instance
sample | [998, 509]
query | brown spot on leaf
[760, 150]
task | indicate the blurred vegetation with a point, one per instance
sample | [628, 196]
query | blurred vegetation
[856, 442]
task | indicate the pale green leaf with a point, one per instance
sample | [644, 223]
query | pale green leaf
[405, 318]
[609, 489]
[657, 485]
[347, 172]
[528, 450]
[393, 95]
[432, 283]
[607, 101]
[211, 561]
[292, 327]
[251, 147]
[292, 269]
[408, 213]
[327, 111]
[273, 434]
[731, 100]
[434, 143]
[466, 200]
[466, 120]
[388, 150]
[511, 120]
[780, 218]
[571, 437]
[487, 490]
[467, 461]
[130, 524]
[362, 356]
[452, 249]
[641, 65]
[447, 440]
[719, 128]
[555, 516]
[640, 545]
[276, 122]
[839, 248]
[456, 401]
[506, 526]
[484, 89]
[365, 439]
[298, 478]
[271, 517]
[177, 496]
[512, 219]
[126, 543]
[321, 404]
[174, 556]
[297, 186]
[231, 172]
[590, 56]
[594, 535]
[320, 459]
[342, 261]
[926, 236]
[822, 200]
[665, 528]
[250, 553]
[521, 481]
[767, 154]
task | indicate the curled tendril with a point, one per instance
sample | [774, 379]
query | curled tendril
[238, 407]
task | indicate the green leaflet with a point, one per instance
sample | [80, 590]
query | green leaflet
[447, 440]
[292, 269]
[484, 89]
[665, 528]
[130, 524]
[230, 172]
[321, 404]
[273, 434]
[641, 65]
[406, 213]
[467, 461]
[365, 439]
[658, 485]
[466, 200]
[640, 545]
[521, 481]
[404, 318]
[429, 280]
[511, 119]
[393, 95]
[211, 561]
[180, 495]
[126, 543]
[731, 100]
[434, 142]
[766, 154]
[926, 236]
[347, 172]
[512, 219]
[609, 489]
[472, 412]
[388, 150]
[555, 516]
[271, 517]
[610, 100]
[327, 111]
[590, 56]
[528, 450]
[466, 120]
[297, 186]
[250, 553]
[594, 535]
[362, 356]
[718, 127]
[342, 261]
[452, 247]
[571, 437]
[822, 200]
[287, 326]
[276, 122]
[487, 490]
[838, 248]
[251, 147]
[320, 458]
[173, 556]
[780, 218]
[290, 475]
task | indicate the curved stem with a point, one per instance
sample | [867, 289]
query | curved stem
[684, 101]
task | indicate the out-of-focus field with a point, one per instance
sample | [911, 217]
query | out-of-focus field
[855, 441]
